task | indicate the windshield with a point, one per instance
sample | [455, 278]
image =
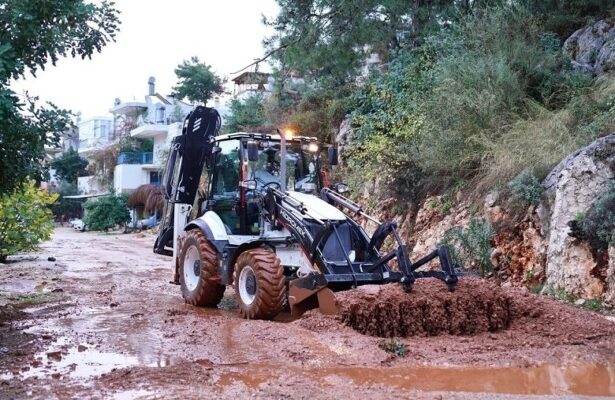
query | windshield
[301, 167]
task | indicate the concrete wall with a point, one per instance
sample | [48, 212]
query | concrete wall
[90, 185]
[162, 143]
[128, 177]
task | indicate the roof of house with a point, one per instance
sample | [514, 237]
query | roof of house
[251, 78]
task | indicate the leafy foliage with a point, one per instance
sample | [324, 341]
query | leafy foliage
[69, 166]
[328, 40]
[25, 218]
[103, 162]
[388, 121]
[71, 28]
[526, 187]
[597, 226]
[320, 112]
[246, 115]
[196, 81]
[106, 212]
[483, 99]
[471, 247]
[395, 347]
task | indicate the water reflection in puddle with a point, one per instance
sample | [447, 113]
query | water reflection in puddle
[77, 363]
[581, 379]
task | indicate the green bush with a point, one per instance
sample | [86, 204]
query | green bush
[526, 187]
[471, 246]
[106, 212]
[25, 219]
[597, 225]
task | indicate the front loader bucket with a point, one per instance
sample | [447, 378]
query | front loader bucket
[302, 299]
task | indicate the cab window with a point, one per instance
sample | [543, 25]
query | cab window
[225, 185]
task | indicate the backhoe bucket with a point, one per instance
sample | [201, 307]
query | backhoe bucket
[302, 299]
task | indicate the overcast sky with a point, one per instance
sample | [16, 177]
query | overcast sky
[155, 36]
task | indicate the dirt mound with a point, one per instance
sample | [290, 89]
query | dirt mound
[429, 310]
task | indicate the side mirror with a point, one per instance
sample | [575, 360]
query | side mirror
[332, 153]
[341, 188]
[216, 149]
[252, 151]
[249, 184]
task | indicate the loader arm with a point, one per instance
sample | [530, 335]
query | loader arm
[189, 153]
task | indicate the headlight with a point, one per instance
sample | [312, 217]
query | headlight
[342, 188]
[313, 147]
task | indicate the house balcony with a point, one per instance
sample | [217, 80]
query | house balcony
[135, 158]
[129, 108]
[149, 130]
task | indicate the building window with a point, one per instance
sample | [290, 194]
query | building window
[154, 178]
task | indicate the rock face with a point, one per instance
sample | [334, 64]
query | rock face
[592, 49]
[572, 187]
[537, 248]
[344, 137]
[430, 226]
[609, 294]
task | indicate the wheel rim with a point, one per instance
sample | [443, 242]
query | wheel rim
[247, 285]
[192, 268]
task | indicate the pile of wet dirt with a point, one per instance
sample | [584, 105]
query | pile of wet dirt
[428, 310]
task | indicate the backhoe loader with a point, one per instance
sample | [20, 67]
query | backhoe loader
[258, 211]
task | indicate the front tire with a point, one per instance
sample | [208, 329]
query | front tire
[260, 285]
[198, 271]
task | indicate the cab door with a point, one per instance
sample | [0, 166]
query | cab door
[224, 194]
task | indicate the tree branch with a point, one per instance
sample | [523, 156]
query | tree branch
[266, 56]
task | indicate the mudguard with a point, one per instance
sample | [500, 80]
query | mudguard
[212, 227]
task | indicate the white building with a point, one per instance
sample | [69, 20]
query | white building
[94, 132]
[159, 118]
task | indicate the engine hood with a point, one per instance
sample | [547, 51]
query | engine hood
[318, 207]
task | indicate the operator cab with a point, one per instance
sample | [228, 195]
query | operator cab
[234, 185]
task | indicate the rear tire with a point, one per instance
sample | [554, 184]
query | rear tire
[198, 270]
[260, 285]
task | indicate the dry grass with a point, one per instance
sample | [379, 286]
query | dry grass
[541, 142]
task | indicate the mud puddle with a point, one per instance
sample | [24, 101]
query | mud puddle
[63, 361]
[582, 379]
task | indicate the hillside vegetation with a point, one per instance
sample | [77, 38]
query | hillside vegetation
[464, 92]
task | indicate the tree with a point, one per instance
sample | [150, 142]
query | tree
[196, 81]
[33, 33]
[69, 166]
[329, 40]
[107, 212]
[25, 219]
[246, 114]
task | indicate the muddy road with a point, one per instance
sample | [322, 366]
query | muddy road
[100, 320]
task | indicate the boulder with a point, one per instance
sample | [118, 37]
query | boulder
[571, 188]
[592, 49]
